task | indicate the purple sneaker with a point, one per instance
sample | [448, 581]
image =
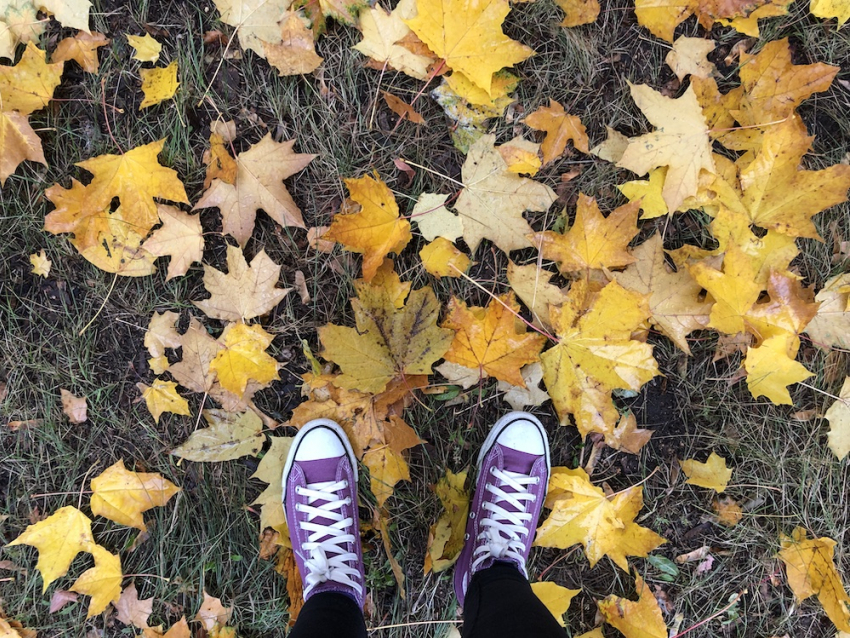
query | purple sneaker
[513, 475]
[320, 503]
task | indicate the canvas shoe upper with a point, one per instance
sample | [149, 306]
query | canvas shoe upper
[320, 504]
[513, 475]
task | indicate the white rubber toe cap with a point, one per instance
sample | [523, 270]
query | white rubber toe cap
[524, 436]
[320, 443]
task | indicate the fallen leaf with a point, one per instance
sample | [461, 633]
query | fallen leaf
[132, 611]
[244, 358]
[212, 613]
[245, 291]
[58, 539]
[727, 510]
[596, 354]
[461, 375]
[386, 468]
[122, 495]
[839, 9]
[295, 53]
[161, 396]
[532, 286]
[445, 538]
[469, 37]
[593, 241]
[18, 142]
[560, 128]
[383, 36]
[40, 264]
[158, 84]
[838, 416]
[161, 333]
[230, 436]
[435, 220]
[270, 470]
[493, 199]
[648, 193]
[519, 397]
[259, 185]
[713, 474]
[256, 21]
[180, 629]
[521, 156]
[102, 582]
[489, 340]
[61, 598]
[688, 57]
[579, 12]
[674, 296]
[402, 108]
[734, 289]
[390, 339]
[180, 237]
[810, 567]
[286, 566]
[680, 142]
[831, 325]
[75, 408]
[199, 349]
[82, 48]
[28, 86]
[771, 367]
[582, 513]
[556, 598]
[375, 229]
[146, 48]
[627, 436]
[641, 619]
[442, 259]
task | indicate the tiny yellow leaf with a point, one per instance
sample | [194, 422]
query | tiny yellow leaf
[244, 358]
[713, 474]
[158, 84]
[122, 495]
[161, 396]
[838, 416]
[556, 598]
[147, 49]
[40, 264]
[442, 258]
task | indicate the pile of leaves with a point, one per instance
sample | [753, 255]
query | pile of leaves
[577, 316]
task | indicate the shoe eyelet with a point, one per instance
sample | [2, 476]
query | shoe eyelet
[493, 470]
[298, 490]
[348, 500]
[344, 483]
[298, 507]
[466, 537]
[472, 515]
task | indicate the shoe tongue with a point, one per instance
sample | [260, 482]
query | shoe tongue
[516, 461]
[320, 470]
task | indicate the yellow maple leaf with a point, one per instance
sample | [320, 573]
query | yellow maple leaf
[146, 48]
[493, 199]
[680, 142]
[560, 128]
[180, 237]
[219, 161]
[270, 470]
[445, 538]
[40, 264]
[122, 495]
[810, 567]
[162, 333]
[831, 325]
[389, 340]
[161, 396]
[58, 539]
[130, 610]
[213, 615]
[382, 33]
[648, 193]
[532, 286]
[198, 349]
[839, 9]
[245, 291]
[256, 21]
[789, 308]
[579, 12]
[596, 354]
[136, 178]
[780, 196]
[441, 258]
[556, 598]
[488, 339]
[838, 416]
[244, 358]
[386, 468]
[713, 474]
[260, 172]
[230, 436]
[641, 619]
[521, 156]
[582, 513]
[18, 142]
[374, 230]
[28, 86]
[19, 22]
[662, 17]
[674, 301]
[81, 48]
[468, 36]
[593, 241]
[158, 84]
[688, 57]
[102, 582]
[295, 54]
[771, 368]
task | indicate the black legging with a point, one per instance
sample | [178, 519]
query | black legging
[499, 604]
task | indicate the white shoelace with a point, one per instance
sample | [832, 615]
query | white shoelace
[502, 530]
[329, 560]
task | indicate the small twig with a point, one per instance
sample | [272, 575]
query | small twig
[564, 556]
[99, 310]
[414, 624]
[741, 128]
[433, 172]
[735, 599]
[46, 494]
[218, 68]
[106, 117]
[167, 580]
[832, 396]
[636, 484]
[377, 92]
[82, 491]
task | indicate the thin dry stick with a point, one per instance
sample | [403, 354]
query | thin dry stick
[433, 172]
[102, 306]
[417, 623]
[218, 68]
[741, 128]
[832, 396]
[60, 493]
[106, 117]
[506, 306]
[82, 491]
[735, 599]
[375, 99]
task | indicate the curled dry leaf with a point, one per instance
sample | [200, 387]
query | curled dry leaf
[75, 408]
[445, 538]
[641, 619]
[82, 48]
